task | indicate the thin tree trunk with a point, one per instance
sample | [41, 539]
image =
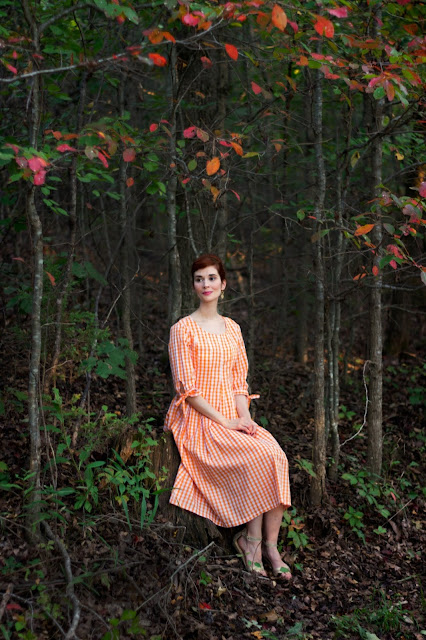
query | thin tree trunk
[70, 258]
[375, 387]
[34, 494]
[126, 280]
[175, 280]
[318, 489]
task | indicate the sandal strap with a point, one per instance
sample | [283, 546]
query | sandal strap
[252, 539]
[270, 544]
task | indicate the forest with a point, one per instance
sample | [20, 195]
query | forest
[288, 138]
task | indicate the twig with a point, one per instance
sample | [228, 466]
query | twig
[366, 406]
[70, 581]
[182, 566]
[5, 599]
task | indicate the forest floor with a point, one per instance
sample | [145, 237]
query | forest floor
[357, 561]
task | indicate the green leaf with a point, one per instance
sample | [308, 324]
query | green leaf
[192, 164]
[379, 93]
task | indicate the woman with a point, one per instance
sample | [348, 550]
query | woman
[232, 471]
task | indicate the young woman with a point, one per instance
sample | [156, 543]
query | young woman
[232, 471]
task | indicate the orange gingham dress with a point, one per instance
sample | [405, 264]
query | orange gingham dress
[225, 475]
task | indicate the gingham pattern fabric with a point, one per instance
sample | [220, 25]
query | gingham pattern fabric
[225, 475]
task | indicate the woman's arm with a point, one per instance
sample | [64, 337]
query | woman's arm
[243, 423]
[243, 411]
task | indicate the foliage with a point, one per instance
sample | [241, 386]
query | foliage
[382, 617]
[293, 525]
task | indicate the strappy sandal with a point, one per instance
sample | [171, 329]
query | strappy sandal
[252, 567]
[283, 571]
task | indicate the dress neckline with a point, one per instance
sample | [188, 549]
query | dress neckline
[210, 333]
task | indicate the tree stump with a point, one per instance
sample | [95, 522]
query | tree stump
[198, 531]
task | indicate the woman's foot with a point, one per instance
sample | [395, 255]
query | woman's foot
[271, 553]
[251, 552]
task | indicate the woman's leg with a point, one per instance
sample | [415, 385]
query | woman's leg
[271, 528]
[253, 548]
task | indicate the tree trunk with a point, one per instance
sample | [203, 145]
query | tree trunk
[175, 282]
[126, 280]
[375, 387]
[33, 496]
[318, 489]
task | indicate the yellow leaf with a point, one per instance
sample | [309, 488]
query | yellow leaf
[212, 166]
[250, 154]
[355, 157]
[399, 156]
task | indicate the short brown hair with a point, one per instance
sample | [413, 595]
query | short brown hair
[208, 260]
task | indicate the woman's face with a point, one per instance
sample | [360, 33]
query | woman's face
[207, 284]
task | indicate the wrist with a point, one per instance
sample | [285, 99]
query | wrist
[225, 423]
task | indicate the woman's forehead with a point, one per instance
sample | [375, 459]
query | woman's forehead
[207, 271]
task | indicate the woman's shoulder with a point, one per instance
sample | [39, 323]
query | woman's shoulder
[233, 326]
[183, 325]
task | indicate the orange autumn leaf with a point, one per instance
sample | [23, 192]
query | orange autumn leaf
[215, 193]
[212, 166]
[324, 27]
[279, 17]
[231, 51]
[158, 60]
[51, 278]
[375, 270]
[155, 36]
[237, 148]
[130, 182]
[366, 228]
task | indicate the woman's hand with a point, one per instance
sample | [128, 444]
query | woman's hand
[246, 425]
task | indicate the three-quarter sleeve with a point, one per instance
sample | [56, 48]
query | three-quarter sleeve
[182, 364]
[240, 370]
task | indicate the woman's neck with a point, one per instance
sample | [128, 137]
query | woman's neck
[207, 312]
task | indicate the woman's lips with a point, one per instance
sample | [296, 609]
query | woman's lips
[207, 293]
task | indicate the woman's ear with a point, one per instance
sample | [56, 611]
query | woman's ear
[223, 285]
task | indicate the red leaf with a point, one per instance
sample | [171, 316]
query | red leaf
[129, 155]
[51, 278]
[422, 190]
[190, 132]
[375, 270]
[14, 606]
[12, 69]
[224, 143]
[158, 60]
[212, 166]
[231, 51]
[65, 147]
[235, 194]
[207, 63]
[393, 264]
[21, 162]
[279, 18]
[323, 26]
[204, 605]
[103, 159]
[294, 26]
[256, 88]
[190, 20]
[19, 259]
[36, 163]
[39, 178]
[366, 228]
[130, 182]
[153, 127]
[339, 12]
[14, 55]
